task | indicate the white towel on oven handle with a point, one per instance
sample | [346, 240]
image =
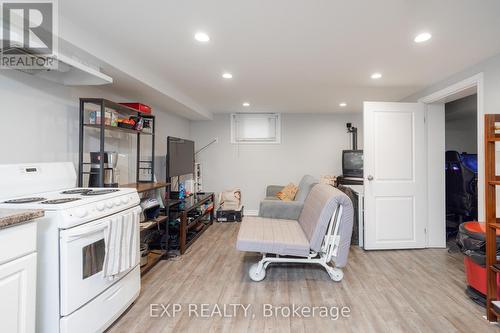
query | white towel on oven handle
[121, 242]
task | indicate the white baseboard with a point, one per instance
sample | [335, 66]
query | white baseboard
[251, 212]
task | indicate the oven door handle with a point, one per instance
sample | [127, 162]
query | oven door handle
[86, 231]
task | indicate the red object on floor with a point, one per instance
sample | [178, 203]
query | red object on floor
[476, 274]
[478, 227]
[143, 108]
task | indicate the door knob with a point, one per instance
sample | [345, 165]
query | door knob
[370, 177]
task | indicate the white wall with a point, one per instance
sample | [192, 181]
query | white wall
[311, 143]
[40, 122]
[461, 125]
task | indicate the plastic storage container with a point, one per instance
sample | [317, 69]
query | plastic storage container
[139, 107]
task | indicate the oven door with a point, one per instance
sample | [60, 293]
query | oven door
[82, 252]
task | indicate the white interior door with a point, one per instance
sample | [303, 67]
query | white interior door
[394, 175]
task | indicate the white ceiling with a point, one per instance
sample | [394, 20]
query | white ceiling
[291, 55]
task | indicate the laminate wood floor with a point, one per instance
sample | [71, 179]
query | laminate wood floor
[386, 291]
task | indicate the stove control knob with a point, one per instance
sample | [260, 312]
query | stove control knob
[117, 202]
[100, 206]
[80, 213]
[109, 204]
[125, 200]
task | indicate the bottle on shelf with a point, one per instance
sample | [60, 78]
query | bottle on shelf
[182, 191]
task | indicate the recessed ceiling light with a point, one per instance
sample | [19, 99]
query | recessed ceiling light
[246, 104]
[343, 104]
[227, 75]
[376, 76]
[423, 37]
[201, 37]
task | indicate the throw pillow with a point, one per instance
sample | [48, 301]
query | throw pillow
[288, 192]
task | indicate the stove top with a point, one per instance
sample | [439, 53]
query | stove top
[90, 191]
[77, 191]
[24, 200]
[59, 201]
[51, 187]
[100, 192]
[66, 198]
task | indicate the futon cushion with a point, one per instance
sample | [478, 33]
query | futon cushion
[319, 207]
[316, 214]
[283, 237]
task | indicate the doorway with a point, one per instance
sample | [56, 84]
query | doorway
[436, 152]
[461, 164]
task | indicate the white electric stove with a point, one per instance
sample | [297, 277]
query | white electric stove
[72, 293]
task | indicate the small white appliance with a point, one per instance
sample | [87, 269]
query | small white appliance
[72, 293]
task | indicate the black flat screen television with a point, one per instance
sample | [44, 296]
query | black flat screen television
[352, 163]
[180, 156]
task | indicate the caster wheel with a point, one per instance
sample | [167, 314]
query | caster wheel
[336, 274]
[255, 274]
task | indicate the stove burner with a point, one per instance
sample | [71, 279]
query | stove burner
[100, 192]
[24, 200]
[77, 191]
[59, 201]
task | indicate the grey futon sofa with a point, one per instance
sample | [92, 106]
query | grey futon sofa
[275, 208]
[321, 235]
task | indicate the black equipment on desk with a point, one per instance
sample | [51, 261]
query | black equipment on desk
[230, 214]
[352, 164]
[341, 180]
